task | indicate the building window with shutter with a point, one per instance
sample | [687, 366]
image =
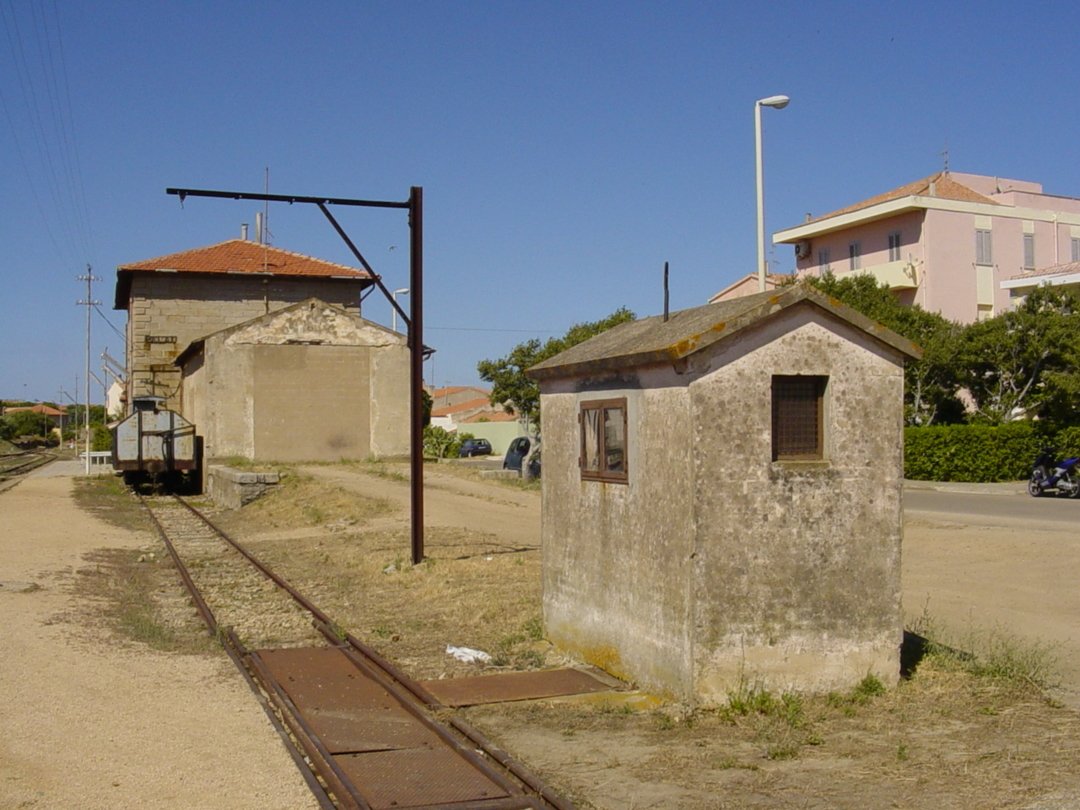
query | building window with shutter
[1076, 249]
[854, 256]
[983, 248]
[894, 246]
[603, 441]
[823, 259]
[798, 417]
[1029, 251]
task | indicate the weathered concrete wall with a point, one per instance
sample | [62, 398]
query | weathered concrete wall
[715, 565]
[617, 557]
[390, 403]
[232, 488]
[187, 307]
[297, 385]
[797, 572]
[312, 403]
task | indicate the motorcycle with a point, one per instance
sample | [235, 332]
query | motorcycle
[1048, 475]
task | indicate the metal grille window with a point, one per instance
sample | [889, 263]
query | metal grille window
[603, 440]
[983, 248]
[798, 407]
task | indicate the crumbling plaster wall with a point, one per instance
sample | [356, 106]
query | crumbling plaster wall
[714, 566]
[797, 571]
[617, 557]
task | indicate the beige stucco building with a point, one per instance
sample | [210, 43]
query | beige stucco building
[721, 497]
[308, 382]
[175, 299]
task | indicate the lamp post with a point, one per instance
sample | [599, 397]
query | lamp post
[394, 295]
[777, 103]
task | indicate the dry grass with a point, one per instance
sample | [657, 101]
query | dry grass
[962, 732]
[136, 596]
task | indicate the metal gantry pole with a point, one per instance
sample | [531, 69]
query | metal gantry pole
[414, 321]
[416, 366]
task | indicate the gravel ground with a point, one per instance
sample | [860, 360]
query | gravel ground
[94, 726]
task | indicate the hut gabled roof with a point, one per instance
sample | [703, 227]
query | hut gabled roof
[653, 340]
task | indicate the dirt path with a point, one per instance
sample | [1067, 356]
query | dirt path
[971, 577]
[984, 574]
[102, 727]
[513, 515]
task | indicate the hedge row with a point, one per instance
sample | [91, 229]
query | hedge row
[981, 453]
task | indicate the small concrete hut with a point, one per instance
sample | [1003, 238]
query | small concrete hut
[722, 497]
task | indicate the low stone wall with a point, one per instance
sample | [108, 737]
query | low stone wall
[232, 488]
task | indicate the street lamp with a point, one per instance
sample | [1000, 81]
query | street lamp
[394, 295]
[778, 103]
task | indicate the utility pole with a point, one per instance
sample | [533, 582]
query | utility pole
[89, 303]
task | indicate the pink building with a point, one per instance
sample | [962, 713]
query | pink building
[964, 245]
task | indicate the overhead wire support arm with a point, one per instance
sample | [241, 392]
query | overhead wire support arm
[375, 277]
[182, 193]
[414, 321]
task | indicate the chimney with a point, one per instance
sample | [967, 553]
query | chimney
[933, 188]
[243, 231]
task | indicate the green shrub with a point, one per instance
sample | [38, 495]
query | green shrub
[979, 453]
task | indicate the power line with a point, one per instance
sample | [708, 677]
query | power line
[97, 308]
[484, 329]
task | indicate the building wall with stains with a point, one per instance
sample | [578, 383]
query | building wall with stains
[168, 311]
[307, 383]
[715, 566]
[617, 557]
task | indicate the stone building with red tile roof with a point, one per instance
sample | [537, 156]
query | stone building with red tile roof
[950, 242]
[176, 299]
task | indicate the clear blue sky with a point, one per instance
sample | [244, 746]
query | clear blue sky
[566, 149]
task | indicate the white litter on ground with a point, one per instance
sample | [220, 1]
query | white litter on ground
[467, 654]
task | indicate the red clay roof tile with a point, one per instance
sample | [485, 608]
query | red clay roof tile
[943, 186]
[242, 256]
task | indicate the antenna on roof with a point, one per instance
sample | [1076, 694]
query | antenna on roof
[666, 297]
[945, 158]
[266, 208]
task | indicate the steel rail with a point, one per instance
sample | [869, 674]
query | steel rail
[371, 664]
[38, 460]
[413, 697]
[234, 649]
[323, 623]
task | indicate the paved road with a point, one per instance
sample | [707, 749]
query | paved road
[985, 504]
[980, 559]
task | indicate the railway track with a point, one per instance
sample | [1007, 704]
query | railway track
[363, 733]
[15, 466]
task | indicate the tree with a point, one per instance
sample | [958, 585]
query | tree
[930, 384]
[25, 423]
[1025, 363]
[441, 443]
[425, 399]
[516, 392]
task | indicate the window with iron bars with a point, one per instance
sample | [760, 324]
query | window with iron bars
[798, 417]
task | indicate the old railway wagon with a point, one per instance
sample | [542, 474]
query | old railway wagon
[157, 446]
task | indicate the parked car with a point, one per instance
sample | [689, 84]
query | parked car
[474, 447]
[518, 451]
